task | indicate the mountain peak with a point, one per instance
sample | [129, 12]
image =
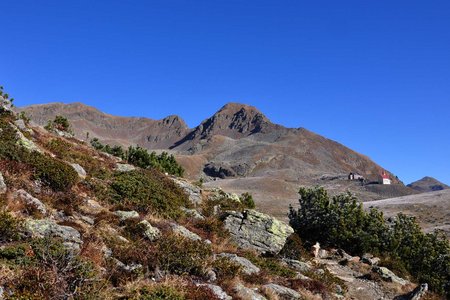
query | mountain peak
[428, 184]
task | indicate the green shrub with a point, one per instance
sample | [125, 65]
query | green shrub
[53, 172]
[160, 292]
[225, 268]
[148, 191]
[294, 248]
[164, 162]
[180, 255]
[60, 123]
[342, 222]
[10, 227]
[247, 200]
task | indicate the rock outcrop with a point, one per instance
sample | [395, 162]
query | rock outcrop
[48, 228]
[282, 292]
[30, 202]
[248, 267]
[259, 231]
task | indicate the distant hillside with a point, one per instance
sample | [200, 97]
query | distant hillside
[237, 144]
[428, 184]
[431, 209]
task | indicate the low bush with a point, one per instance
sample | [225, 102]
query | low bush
[271, 265]
[148, 191]
[179, 255]
[61, 274]
[342, 222]
[53, 172]
[160, 292]
[225, 268]
[10, 227]
[60, 123]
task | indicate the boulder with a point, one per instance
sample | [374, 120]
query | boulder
[125, 215]
[259, 231]
[193, 213]
[2, 184]
[298, 266]
[282, 292]
[217, 290]
[26, 143]
[194, 192]
[248, 267]
[183, 231]
[388, 275]
[243, 292]
[150, 232]
[30, 202]
[91, 207]
[125, 168]
[46, 227]
[79, 169]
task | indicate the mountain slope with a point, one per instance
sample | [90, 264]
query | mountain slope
[428, 184]
[236, 144]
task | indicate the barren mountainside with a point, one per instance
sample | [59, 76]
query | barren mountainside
[237, 145]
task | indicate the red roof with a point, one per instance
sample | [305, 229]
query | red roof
[385, 176]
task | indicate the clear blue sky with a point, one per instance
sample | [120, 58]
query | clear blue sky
[373, 75]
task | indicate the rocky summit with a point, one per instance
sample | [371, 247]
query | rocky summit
[238, 149]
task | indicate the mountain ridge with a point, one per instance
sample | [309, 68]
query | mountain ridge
[237, 143]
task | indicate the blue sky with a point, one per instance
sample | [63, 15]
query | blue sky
[373, 75]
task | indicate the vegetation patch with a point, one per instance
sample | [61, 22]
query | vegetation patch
[147, 191]
[341, 222]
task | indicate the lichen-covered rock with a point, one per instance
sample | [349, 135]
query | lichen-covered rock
[125, 215]
[243, 292]
[282, 292]
[125, 168]
[30, 202]
[418, 292]
[26, 143]
[2, 184]
[194, 192]
[298, 266]
[388, 275]
[46, 227]
[370, 259]
[248, 267]
[79, 169]
[183, 231]
[150, 232]
[193, 213]
[91, 207]
[217, 290]
[259, 231]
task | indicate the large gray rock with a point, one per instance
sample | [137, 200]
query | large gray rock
[150, 232]
[259, 231]
[217, 290]
[79, 169]
[193, 213]
[125, 168]
[183, 231]
[298, 266]
[2, 184]
[125, 215]
[248, 267]
[46, 227]
[30, 202]
[194, 192]
[91, 207]
[388, 275]
[25, 142]
[243, 292]
[282, 292]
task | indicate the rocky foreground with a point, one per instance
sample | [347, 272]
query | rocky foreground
[85, 225]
